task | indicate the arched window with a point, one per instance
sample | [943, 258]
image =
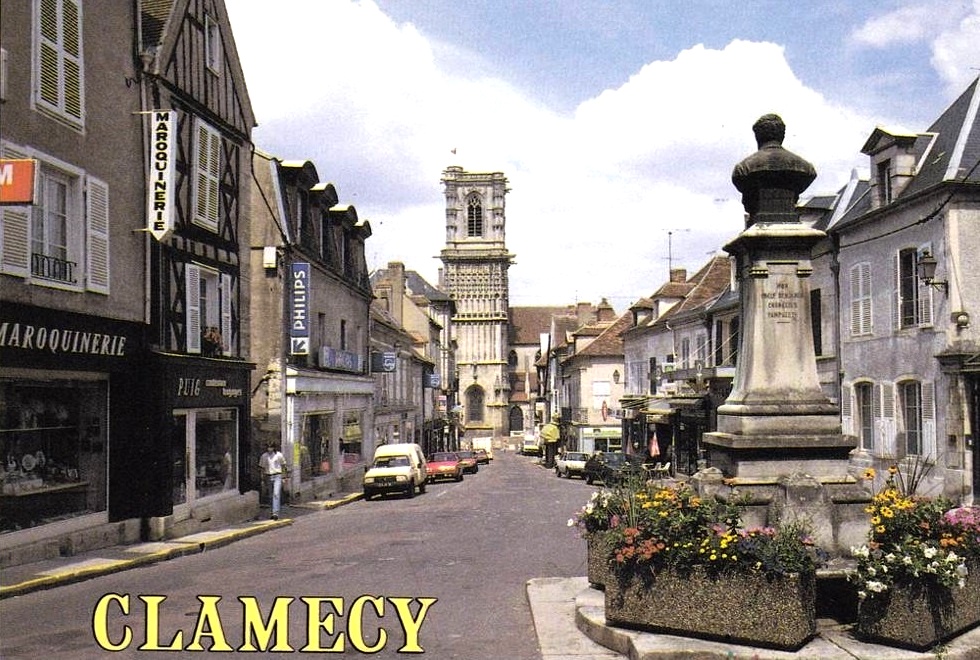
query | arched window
[474, 216]
[474, 404]
[516, 419]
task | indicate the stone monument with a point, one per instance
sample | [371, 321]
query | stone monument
[779, 437]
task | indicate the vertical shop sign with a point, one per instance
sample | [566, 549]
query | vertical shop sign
[299, 309]
[160, 188]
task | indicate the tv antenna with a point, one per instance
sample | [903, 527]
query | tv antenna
[670, 252]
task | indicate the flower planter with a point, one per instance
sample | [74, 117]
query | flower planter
[920, 616]
[597, 550]
[745, 608]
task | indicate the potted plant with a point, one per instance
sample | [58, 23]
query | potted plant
[918, 577]
[603, 511]
[683, 565]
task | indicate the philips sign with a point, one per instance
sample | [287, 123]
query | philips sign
[299, 309]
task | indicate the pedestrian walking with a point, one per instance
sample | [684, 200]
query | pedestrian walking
[273, 466]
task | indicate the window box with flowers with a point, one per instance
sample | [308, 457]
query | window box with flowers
[918, 577]
[682, 565]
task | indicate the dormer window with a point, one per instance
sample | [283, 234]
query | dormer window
[884, 181]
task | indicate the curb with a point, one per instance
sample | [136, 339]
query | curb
[144, 554]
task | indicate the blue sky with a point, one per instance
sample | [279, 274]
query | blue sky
[616, 122]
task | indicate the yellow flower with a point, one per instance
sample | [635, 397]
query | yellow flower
[887, 512]
[880, 529]
[869, 474]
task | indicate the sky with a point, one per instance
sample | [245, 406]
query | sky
[616, 122]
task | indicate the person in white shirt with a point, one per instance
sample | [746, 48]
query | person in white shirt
[273, 465]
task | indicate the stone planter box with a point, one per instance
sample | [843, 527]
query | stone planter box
[741, 608]
[920, 617]
[597, 559]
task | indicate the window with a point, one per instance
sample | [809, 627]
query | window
[860, 284]
[910, 400]
[474, 404]
[208, 311]
[685, 353]
[212, 44]
[601, 392]
[207, 171]
[816, 322]
[63, 239]
[719, 352]
[884, 181]
[343, 334]
[58, 64]
[913, 300]
[474, 216]
[733, 341]
[864, 393]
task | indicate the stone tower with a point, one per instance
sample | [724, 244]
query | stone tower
[475, 263]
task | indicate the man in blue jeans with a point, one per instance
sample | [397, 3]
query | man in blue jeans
[273, 465]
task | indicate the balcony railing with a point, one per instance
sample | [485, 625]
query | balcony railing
[52, 268]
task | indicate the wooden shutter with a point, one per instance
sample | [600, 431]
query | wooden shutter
[846, 410]
[192, 293]
[888, 419]
[860, 285]
[226, 294]
[15, 228]
[97, 236]
[59, 59]
[929, 449]
[208, 152]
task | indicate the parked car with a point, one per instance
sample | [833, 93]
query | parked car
[398, 468]
[571, 464]
[467, 459]
[613, 467]
[444, 465]
[482, 458]
[485, 444]
[531, 446]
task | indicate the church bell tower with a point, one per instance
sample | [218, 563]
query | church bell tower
[475, 263]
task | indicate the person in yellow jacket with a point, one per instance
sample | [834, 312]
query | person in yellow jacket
[550, 435]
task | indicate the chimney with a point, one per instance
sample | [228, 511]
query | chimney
[396, 277]
[583, 313]
[678, 275]
[605, 313]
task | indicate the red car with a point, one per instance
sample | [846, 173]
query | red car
[444, 465]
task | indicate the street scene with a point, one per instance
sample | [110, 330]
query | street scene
[339, 327]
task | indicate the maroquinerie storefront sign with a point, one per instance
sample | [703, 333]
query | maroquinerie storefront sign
[30, 333]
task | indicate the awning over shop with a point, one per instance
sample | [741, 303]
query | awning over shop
[657, 411]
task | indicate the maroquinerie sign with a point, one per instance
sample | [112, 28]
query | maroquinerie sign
[160, 188]
[60, 340]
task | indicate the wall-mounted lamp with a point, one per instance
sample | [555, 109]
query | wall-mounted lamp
[925, 268]
[616, 376]
[961, 319]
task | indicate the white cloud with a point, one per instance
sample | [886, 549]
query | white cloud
[594, 195]
[955, 53]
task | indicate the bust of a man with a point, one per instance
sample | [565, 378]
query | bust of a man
[781, 173]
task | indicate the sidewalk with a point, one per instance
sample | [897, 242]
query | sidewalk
[18, 580]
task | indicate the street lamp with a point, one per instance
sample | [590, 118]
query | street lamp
[925, 268]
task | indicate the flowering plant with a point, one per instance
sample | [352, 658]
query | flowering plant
[914, 540]
[655, 527]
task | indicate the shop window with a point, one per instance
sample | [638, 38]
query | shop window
[204, 453]
[53, 454]
[315, 450]
[352, 435]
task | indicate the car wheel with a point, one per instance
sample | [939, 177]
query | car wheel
[459, 477]
[411, 489]
[588, 479]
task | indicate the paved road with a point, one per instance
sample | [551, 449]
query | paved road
[337, 579]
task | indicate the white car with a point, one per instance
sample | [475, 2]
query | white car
[398, 468]
[571, 464]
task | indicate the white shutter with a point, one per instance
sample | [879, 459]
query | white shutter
[876, 416]
[206, 178]
[15, 227]
[226, 292]
[97, 236]
[846, 410]
[929, 449]
[192, 284]
[888, 446]
[58, 72]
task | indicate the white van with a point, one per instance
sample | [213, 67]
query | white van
[398, 468]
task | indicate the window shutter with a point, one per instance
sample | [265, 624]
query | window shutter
[897, 295]
[15, 225]
[59, 64]
[97, 236]
[226, 293]
[71, 18]
[208, 150]
[865, 277]
[192, 283]
[846, 410]
[929, 449]
[888, 419]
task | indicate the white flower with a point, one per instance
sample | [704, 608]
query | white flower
[929, 551]
[861, 551]
[571, 522]
[952, 558]
[890, 557]
[862, 594]
[962, 570]
[875, 586]
[907, 560]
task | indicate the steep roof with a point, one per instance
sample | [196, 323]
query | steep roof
[609, 343]
[527, 323]
[709, 283]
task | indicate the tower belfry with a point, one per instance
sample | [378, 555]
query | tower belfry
[475, 263]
